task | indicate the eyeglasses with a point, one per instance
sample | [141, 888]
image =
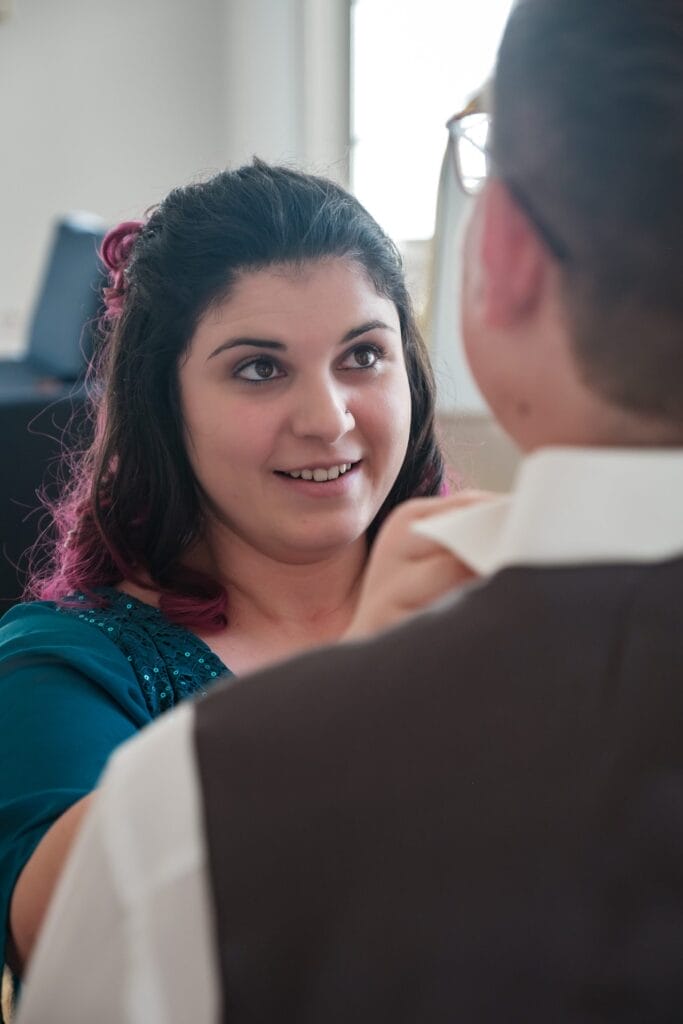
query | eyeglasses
[468, 133]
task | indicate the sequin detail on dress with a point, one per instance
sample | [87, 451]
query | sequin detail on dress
[170, 662]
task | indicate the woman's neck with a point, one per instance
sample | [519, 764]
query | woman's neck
[315, 597]
[275, 609]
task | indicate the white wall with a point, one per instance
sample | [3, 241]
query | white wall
[107, 104]
[287, 82]
[103, 106]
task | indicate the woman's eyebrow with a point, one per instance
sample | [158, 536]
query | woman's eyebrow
[267, 343]
[371, 325]
[253, 342]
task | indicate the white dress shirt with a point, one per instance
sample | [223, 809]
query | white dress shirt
[128, 938]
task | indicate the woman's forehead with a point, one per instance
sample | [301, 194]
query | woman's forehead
[324, 291]
[337, 272]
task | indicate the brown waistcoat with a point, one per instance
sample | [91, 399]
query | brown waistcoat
[475, 818]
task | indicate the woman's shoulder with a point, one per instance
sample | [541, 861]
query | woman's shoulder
[40, 621]
[54, 622]
[167, 661]
[46, 630]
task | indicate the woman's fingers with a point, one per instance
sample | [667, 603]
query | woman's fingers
[406, 571]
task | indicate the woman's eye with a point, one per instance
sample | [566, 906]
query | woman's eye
[258, 370]
[362, 357]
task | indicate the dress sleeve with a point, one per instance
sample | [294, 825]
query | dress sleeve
[68, 697]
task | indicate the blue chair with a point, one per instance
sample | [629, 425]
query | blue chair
[65, 314]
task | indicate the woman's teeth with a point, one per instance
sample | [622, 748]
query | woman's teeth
[321, 475]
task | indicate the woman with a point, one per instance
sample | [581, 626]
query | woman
[262, 400]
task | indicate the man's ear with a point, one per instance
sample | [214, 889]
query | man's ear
[513, 258]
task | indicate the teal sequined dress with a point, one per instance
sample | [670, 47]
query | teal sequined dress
[169, 662]
[75, 682]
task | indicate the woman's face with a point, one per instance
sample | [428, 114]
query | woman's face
[296, 406]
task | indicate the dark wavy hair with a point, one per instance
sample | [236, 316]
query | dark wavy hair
[134, 506]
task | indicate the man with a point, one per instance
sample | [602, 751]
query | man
[477, 816]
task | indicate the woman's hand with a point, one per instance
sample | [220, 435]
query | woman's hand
[406, 571]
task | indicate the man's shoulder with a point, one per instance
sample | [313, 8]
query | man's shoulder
[521, 620]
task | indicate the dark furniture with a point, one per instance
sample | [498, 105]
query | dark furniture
[41, 393]
[34, 436]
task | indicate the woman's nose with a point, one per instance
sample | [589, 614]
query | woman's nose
[322, 412]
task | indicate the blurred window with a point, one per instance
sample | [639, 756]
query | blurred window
[413, 64]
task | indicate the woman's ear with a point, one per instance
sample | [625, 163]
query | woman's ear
[512, 258]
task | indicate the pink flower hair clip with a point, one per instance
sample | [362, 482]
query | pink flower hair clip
[115, 253]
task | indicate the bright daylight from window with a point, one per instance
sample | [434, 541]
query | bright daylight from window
[414, 63]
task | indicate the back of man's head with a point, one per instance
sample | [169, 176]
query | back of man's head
[588, 121]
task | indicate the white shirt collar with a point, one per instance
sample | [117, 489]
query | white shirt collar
[572, 506]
